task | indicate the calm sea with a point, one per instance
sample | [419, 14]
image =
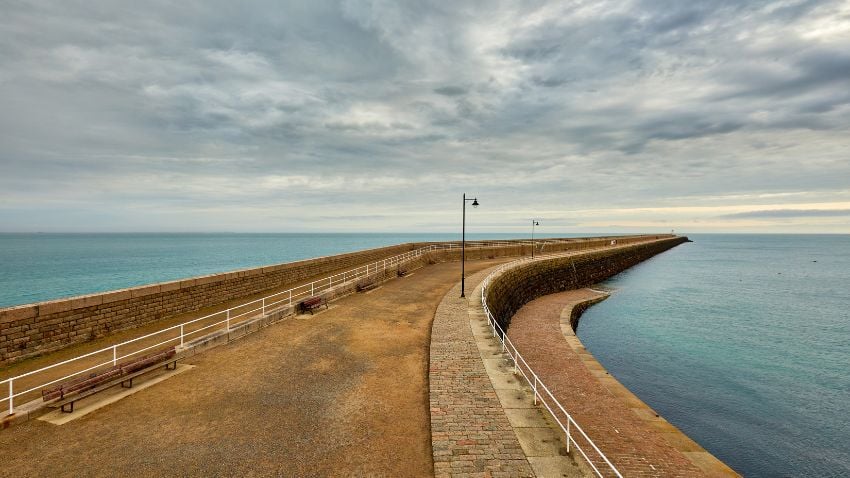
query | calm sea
[37, 267]
[743, 342]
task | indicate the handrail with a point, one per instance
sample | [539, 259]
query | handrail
[262, 305]
[523, 368]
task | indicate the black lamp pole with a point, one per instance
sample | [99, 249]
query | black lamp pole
[533, 223]
[463, 244]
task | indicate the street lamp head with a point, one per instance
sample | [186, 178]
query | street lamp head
[475, 202]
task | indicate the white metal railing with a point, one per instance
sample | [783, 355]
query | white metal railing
[541, 392]
[178, 334]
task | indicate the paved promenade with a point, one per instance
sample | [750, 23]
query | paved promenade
[471, 433]
[635, 439]
[342, 393]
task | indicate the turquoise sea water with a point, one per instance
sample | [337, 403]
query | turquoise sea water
[743, 342]
[37, 267]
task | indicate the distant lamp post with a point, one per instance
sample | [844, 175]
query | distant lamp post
[533, 223]
[463, 244]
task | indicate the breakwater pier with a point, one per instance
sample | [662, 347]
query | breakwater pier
[395, 377]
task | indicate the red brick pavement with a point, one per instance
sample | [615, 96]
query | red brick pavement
[635, 448]
[470, 433]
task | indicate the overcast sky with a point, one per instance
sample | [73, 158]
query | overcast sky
[377, 115]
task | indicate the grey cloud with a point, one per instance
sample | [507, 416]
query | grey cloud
[677, 20]
[450, 90]
[813, 70]
[794, 10]
[179, 108]
[550, 82]
[695, 128]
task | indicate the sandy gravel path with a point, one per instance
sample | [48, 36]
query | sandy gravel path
[343, 393]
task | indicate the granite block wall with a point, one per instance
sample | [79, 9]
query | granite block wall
[511, 289]
[33, 329]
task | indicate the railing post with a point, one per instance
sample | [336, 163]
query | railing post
[264, 306]
[11, 398]
[181, 335]
[311, 289]
[535, 389]
[290, 296]
[228, 320]
[568, 434]
[114, 355]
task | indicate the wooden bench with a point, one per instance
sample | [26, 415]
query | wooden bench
[312, 304]
[71, 391]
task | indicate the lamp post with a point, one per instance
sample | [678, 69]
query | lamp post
[463, 244]
[533, 223]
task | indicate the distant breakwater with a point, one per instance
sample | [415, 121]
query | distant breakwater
[34, 329]
[516, 286]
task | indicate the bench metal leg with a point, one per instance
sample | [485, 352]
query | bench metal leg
[127, 386]
[70, 410]
[171, 365]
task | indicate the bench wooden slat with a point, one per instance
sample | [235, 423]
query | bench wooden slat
[92, 381]
[80, 385]
[120, 379]
[142, 362]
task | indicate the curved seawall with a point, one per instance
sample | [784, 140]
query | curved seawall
[518, 285]
[545, 298]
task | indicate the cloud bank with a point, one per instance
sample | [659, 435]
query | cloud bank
[377, 115]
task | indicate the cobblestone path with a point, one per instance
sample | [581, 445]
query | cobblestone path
[471, 435]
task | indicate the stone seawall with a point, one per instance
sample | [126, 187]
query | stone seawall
[578, 310]
[523, 248]
[540, 304]
[515, 287]
[34, 329]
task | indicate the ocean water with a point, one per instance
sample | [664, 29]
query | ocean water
[743, 342]
[38, 267]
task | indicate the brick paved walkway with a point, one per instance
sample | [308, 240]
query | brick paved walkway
[637, 446]
[470, 432]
